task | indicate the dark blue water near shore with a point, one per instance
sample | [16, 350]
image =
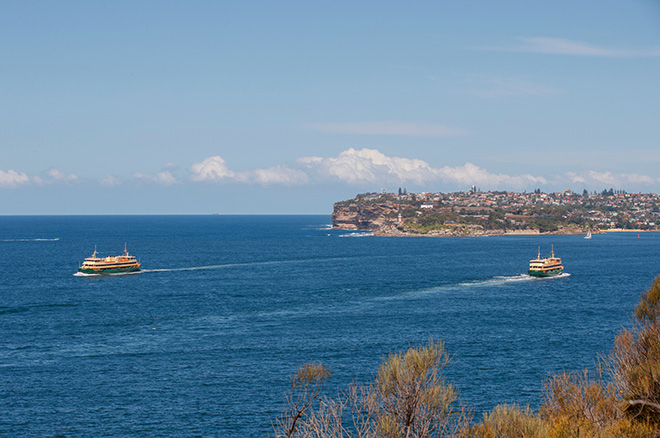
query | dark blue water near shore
[202, 342]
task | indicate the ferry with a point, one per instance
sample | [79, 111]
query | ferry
[109, 265]
[545, 267]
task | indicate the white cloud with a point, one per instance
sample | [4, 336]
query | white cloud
[470, 174]
[279, 175]
[371, 166]
[56, 175]
[211, 169]
[163, 178]
[619, 180]
[215, 169]
[111, 181]
[11, 178]
[562, 46]
[359, 167]
[389, 128]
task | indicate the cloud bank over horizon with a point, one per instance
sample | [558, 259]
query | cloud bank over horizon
[364, 168]
[12, 178]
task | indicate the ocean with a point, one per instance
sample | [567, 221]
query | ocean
[203, 340]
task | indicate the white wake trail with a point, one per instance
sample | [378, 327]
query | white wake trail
[54, 239]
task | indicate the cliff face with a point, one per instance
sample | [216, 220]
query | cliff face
[380, 215]
[363, 217]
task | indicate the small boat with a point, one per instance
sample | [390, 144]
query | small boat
[545, 267]
[109, 265]
[588, 236]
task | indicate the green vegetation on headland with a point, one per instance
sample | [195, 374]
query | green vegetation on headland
[492, 213]
[409, 396]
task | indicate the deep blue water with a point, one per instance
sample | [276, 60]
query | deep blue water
[203, 341]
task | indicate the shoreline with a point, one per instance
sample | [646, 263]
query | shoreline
[506, 233]
[624, 230]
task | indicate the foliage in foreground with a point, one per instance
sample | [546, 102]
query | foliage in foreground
[410, 398]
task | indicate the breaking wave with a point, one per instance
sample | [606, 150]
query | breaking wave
[357, 235]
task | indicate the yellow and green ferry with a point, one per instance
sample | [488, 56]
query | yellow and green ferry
[109, 265]
[545, 267]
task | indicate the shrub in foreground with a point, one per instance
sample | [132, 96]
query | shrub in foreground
[508, 421]
[410, 398]
[635, 361]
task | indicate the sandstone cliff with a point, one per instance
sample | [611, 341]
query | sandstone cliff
[377, 217]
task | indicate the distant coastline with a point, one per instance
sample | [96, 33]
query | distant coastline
[476, 213]
[506, 233]
[620, 230]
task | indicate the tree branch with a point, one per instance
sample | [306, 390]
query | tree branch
[645, 403]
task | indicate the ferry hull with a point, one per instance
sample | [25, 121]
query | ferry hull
[542, 274]
[109, 270]
[545, 267]
[109, 265]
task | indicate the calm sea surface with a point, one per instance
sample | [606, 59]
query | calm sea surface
[202, 342]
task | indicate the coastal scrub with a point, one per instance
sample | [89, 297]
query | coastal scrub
[410, 397]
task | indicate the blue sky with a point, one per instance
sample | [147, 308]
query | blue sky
[286, 107]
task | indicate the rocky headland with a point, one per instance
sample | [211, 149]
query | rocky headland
[382, 220]
[494, 213]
